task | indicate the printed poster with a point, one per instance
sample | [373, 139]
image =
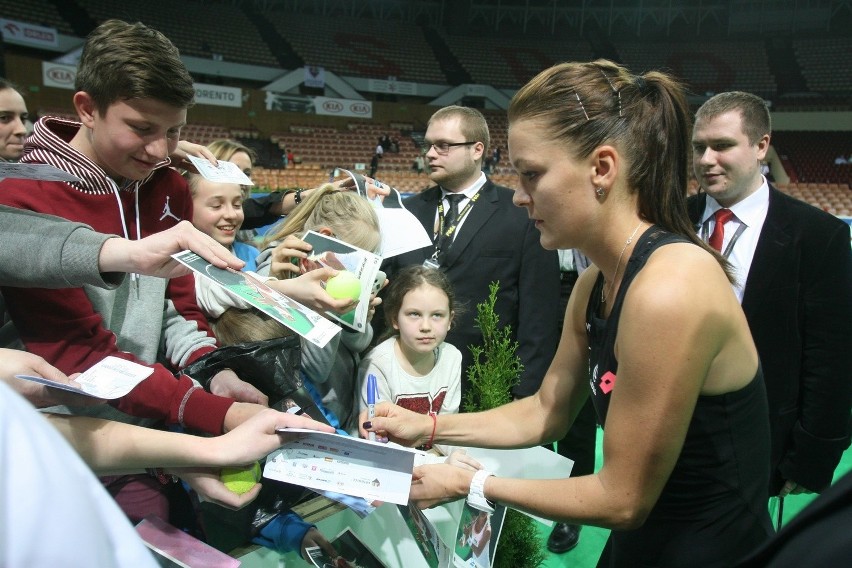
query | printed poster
[351, 553]
[435, 552]
[334, 253]
[477, 536]
[249, 287]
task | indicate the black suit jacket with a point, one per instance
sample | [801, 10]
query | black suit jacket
[818, 536]
[497, 241]
[798, 302]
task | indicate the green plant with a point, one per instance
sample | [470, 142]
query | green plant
[495, 370]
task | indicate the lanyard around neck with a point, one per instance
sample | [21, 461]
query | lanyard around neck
[705, 235]
[449, 231]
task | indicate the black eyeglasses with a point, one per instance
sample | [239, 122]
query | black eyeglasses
[443, 148]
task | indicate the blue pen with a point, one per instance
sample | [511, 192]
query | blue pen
[372, 394]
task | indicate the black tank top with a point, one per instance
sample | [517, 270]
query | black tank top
[713, 508]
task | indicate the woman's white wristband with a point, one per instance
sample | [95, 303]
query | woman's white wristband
[476, 495]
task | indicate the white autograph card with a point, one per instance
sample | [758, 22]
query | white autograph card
[108, 379]
[344, 464]
[225, 172]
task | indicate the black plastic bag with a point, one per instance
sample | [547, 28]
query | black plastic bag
[271, 366]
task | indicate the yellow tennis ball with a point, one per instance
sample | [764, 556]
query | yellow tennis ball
[240, 479]
[344, 285]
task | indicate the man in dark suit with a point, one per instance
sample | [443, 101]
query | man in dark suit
[794, 280]
[817, 536]
[484, 238]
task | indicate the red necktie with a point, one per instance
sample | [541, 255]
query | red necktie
[722, 216]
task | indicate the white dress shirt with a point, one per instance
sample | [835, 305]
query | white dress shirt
[468, 193]
[750, 213]
[566, 260]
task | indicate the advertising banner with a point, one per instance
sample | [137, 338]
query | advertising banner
[58, 75]
[218, 95]
[392, 87]
[29, 34]
[343, 107]
[314, 77]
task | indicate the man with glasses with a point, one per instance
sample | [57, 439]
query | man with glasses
[481, 237]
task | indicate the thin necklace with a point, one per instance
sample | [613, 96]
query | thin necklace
[618, 264]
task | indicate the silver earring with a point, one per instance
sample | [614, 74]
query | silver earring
[599, 191]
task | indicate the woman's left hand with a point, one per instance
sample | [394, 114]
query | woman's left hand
[435, 484]
[793, 488]
[314, 538]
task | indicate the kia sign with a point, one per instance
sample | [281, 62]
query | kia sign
[332, 107]
[343, 107]
[58, 75]
[217, 95]
[29, 34]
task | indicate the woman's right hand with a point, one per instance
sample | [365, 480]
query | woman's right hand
[396, 424]
[439, 483]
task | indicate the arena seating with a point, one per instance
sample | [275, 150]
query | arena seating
[331, 147]
[835, 198]
[39, 12]
[372, 48]
[196, 29]
[826, 64]
[706, 66]
[510, 62]
[361, 47]
[60, 112]
[205, 133]
[812, 155]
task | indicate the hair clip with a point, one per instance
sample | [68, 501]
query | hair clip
[583, 108]
[614, 90]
